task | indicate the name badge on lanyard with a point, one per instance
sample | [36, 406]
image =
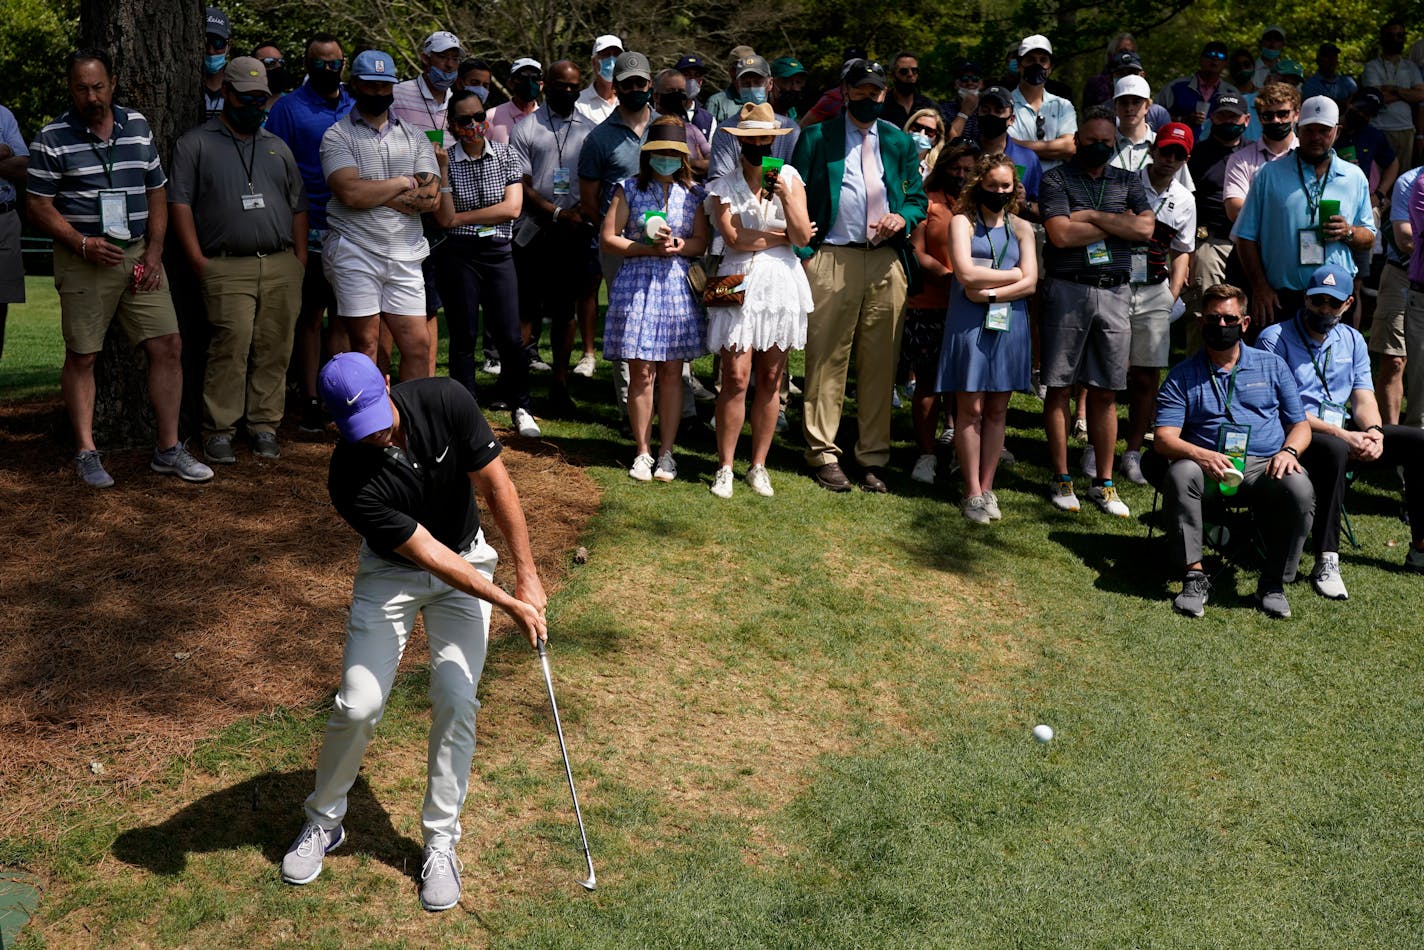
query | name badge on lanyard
[1311, 248]
[1098, 254]
[1333, 414]
[114, 214]
[999, 316]
[1139, 266]
[1232, 439]
[562, 179]
[253, 202]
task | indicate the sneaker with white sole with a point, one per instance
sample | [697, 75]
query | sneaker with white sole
[526, 425]
[585, 366]
[218, 450]
[642, 470]
[666, 469]
[492, 367]
[1327, 580]
[991, 505]
[1105, 497]
[179, 461]
[946, 438]
[1090, 461]
[90, 466]
[924, 470]
[975, 510]
[302, 863]
[537, 365]
[760, 481]
[1132, 468]
[1060, 492]
[265, 446]
[440, 879]
[1080, 429]
[722, 482]
[1196, 589]
[1273, 602]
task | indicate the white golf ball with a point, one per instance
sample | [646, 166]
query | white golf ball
[1043, 733]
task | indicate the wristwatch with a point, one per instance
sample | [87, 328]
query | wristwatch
[992, 296]
[1293, 453]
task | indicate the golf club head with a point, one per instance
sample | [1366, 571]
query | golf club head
[590, 884]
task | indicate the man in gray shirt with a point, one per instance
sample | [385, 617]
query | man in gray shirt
[239, 211]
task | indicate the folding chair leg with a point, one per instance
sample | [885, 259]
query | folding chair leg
[1349, 528]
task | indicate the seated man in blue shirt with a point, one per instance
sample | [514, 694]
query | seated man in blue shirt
[1232, 409]
[1332, 370]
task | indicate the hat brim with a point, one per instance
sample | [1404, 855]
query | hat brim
[632, 74]
[373, 418]
[250, 87]
[378, 77]
[667, 145]
[744, 133]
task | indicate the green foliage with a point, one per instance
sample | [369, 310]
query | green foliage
[35, 35]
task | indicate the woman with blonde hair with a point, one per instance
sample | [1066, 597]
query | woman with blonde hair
[926, 127]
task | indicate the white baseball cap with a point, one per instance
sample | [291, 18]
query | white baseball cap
[1037, 41]
[606, 41]
[1319, 110]
[525, 63]
[1132, 86]
[439, 42]
[1273, 28]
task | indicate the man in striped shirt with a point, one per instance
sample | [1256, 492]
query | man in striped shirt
[97, 188]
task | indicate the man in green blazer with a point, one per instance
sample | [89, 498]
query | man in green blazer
[865, 196]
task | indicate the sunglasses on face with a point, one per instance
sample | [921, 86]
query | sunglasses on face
[217, 42]
[331, 65]
[1214, 55]
[1225, 319]
[969, 77]
[1325, 302]
[1278, 116]
[908, 71]
[274, 62]
[250, 98]
[468, 121]
[929, 130]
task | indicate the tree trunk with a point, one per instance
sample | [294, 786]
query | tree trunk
[157, 48]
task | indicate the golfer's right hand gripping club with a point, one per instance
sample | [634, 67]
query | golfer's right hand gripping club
[590, 882]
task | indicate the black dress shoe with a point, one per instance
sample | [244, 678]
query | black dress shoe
[831, 478]
[872, 480]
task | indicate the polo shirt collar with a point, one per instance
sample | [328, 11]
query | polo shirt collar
[120, 114]
[458, 153]
[356, 118]
[617, 118]
[428, 93]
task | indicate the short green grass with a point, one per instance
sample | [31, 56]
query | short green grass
[34, 348]
[805, 722]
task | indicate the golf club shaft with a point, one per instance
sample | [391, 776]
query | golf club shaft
[568, 770]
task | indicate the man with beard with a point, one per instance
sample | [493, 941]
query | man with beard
[240, 216]
[1332, 372]
[1043, 123]
[1094, 214]
[1286, 230]
[1402, 87]
[1231, 415]
[905, 98]
[97, 189]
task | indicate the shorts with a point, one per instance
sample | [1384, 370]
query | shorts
[1387, 328]
[12, 263]
[1084, 335]
[91, 296]
[1149, 314]
[316, 289]
[921, 341]
[367, 284]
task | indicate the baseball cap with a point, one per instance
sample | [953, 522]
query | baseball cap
[439, 42]
[1215, 47]
[690, 61]
[1273, 28]
[1132, 86]
[1368, 99]
[247, 74]
[354, 392]
[1037, 41]
[631, 65]
[1228, 102]
[862, 72]
[1289, 67]
[967, 67]
[1175, 133]
[1319, 110]
[784, 66]
[606, 42]
[1327, 47]
[1331, 279]
[374, 65]
[754, 65]
[1126, 59]
[999, 94]
[218, 24]
[525, 63]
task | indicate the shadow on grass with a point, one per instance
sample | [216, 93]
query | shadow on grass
[260, 813]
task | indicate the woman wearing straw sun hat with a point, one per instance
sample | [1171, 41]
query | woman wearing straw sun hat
[760, 211]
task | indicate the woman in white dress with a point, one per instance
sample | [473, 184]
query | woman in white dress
[760, 216]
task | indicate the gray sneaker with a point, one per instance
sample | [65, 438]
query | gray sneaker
[91, 469]
[218, 450]
[303, 860]
[1195, 591]
[1273, 602]
[264, 445]
[440, 879]
[178, 461]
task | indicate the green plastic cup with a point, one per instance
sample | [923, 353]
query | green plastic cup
[770, 168]
[436, 136]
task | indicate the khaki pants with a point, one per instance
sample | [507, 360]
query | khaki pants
[1413, 414]
[859, 301]
[1402, 141]
[253, 303]
[1208, 268]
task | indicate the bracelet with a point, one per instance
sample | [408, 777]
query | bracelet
[1377, 427]
[557, 211]
[963, 115]
[1293, 453]
[446, 191]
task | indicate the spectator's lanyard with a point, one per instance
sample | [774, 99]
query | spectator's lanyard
[568, 130]
[989, 236]
[1225, 400]
[434, 123]
[1310, 351]
[107, 159]
[1312, 202]
[1102, 190]
[247, 163]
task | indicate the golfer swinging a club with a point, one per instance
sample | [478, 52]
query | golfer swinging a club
[401, 476]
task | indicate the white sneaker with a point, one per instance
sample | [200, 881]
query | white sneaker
[1090, 461]
[1105, 497]
[1132, 468]
[1080, 429]
[1060, 492]
[722, 482]
[760, 481]
[642, 470]
[975, 510]
[526, 425]
[895, 401]
[585, 366]
[991, 505]
[667, 468]
[924, 470]
[1327, 580]
[492, 367]
[539, 366]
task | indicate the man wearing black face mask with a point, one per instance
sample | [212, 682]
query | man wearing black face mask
[1043, 123]
[1232, 409]
[905, 98]
[526, 82]
[239, 212]
[1332, 370]
[270, 56]
[670, 98]
[1402, 87]
[1207, 165]
[1278, 107]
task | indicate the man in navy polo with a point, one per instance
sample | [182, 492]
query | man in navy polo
[1332, 370]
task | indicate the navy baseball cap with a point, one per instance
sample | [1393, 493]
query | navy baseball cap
[354, 392]
[1333, 280]
[374, 66]
[217, 23]
[691, 61]
[999, 94]
[1228, 102]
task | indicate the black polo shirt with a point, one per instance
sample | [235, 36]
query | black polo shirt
[1067, 188]
[385, 492]
[1208, 168]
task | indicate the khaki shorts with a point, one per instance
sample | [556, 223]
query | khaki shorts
[12, 265]
[91, 296]
[1150, 313]
[1387, 327]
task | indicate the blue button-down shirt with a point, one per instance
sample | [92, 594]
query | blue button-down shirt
[849, 226]
[10, 135]
[1265, 398]
[1332, 370]
[300, 119]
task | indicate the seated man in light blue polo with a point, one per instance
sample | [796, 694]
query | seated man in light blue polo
[1230, 417]
[1302, 211]
[1332, 370]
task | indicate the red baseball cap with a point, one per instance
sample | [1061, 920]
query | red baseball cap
[1175, 133]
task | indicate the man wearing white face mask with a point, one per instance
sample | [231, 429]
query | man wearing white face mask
[599, 100]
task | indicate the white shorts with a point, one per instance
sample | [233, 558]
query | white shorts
[1150, 315]
[366, 284]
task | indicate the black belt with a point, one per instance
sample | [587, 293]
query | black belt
[860, 246]
[250, 253]
[1095, 280]
[7, 206]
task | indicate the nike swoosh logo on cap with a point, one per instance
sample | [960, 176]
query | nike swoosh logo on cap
[441, 457]
[353, 399]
